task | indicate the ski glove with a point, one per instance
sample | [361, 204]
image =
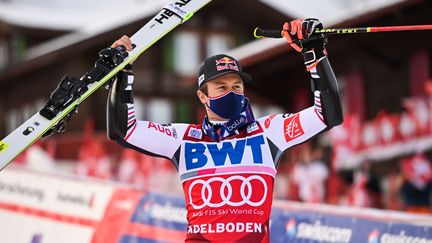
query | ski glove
[300, 35]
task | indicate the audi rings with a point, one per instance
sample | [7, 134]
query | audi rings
[246, 190]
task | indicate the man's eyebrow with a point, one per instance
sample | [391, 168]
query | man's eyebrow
[220, 82]
[237, 81]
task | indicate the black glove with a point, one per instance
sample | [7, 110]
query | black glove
[300, 35]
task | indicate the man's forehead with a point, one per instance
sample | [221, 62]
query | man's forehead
[227, 78]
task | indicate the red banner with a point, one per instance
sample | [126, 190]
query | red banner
[386, 136]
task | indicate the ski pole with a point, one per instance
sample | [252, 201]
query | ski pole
[260, 33]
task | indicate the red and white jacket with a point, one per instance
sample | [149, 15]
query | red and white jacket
[228, 185]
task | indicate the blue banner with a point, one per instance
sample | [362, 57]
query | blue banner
[295, 224]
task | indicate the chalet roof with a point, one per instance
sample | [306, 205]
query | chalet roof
[101, 15]
[77, 15]
[89, 23]
[330, 12]
[69, 15]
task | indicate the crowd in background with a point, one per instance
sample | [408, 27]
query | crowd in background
[402, 184]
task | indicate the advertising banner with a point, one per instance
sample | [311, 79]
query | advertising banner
[37, 208]
[306, 224]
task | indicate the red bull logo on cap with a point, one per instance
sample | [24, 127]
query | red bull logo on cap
[226, 63]
[225, 60]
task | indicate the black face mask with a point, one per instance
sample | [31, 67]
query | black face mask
[227, 105]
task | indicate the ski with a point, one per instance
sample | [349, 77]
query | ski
[172, 14]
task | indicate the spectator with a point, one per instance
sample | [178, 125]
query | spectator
[363, 188]
[391, 184]
[358, 195]
[417, 186]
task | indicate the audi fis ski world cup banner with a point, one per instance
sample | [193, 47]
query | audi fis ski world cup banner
[37, 208]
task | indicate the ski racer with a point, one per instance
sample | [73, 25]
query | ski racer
[227, 163]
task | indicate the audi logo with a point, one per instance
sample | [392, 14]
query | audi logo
[226, 191]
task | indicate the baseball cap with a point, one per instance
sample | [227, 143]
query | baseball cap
[218, 65]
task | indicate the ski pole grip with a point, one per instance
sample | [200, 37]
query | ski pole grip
[260, 33]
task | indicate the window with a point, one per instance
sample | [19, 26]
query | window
[4, 55]
[184, 112]
[218, 43]
[160, 110]
[19, 43]
[186, 53]
[183, 55]
[139, 105]
[12, 120]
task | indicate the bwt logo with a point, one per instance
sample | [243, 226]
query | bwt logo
[195, 156]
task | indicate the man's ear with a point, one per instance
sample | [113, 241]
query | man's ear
[202, 97]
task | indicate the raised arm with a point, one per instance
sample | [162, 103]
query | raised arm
[123, 126]
[286, 130]
[323, 79]
[120, 107]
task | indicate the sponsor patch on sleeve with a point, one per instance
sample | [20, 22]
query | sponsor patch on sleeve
[3, 146]
[195, 133]
[292, 127]
[252, 127]
[268, 121]
[167, 129]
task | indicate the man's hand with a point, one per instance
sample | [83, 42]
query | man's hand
[123, 41]
[300, 32]
[300, 35]
[126, 42]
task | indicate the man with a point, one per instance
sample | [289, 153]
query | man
[228, 162]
